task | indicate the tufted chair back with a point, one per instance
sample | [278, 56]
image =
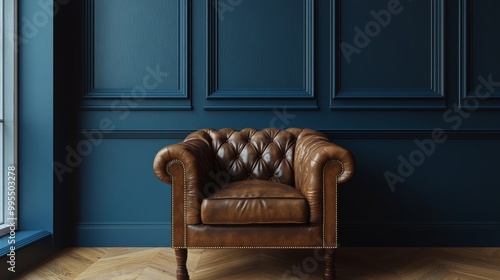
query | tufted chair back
[253, 154]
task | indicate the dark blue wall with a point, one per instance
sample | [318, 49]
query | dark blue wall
[39, 232]
[35, 118]
[380, 77]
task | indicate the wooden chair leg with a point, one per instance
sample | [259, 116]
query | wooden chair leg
[181, 257]
[330, 264]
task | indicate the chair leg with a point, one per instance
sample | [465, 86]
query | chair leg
[330, 264]
[181, 257]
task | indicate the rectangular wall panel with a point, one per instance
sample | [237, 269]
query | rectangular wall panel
[136, 54]
[387, 54]
[442, 197]
[120, 199]
[479, 57]
[260, 54]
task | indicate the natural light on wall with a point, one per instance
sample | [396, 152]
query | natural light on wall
[8, 108]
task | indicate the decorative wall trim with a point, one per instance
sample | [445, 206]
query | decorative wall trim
[415, 99]
[219, 99]
[410, 134]
[127, 99]
[468, 99]
[130, 104]
[124, 225]
[252, 105]
[136, 134]
[331, 134]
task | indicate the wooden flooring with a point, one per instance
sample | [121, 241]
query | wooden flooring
[351, 263]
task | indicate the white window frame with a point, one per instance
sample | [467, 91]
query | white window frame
[8, 115]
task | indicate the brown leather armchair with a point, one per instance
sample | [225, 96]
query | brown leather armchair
[254, 189]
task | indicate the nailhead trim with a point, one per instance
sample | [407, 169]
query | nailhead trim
[185, 213]
[314, 247]
[336, 189]
[173, 200]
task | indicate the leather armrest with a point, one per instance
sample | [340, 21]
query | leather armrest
[320, 165]
[186, 166]
[193, 154]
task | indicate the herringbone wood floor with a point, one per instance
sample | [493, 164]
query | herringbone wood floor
[351, 263]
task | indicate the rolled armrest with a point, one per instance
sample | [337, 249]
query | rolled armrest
[320, 164]
[193, 155]
[186, 166]
[323, 152]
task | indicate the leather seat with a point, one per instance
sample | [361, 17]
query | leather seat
[255, 202]
[250, 188]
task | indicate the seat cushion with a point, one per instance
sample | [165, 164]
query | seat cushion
[255, 202]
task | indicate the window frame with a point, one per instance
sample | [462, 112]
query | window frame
[8, 115]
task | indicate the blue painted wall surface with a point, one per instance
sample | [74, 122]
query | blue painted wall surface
[153, 42]
[35, 117]
[247, 66]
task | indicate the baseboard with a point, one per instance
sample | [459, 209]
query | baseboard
[423, 235]
[393, 235]
[124, 235]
